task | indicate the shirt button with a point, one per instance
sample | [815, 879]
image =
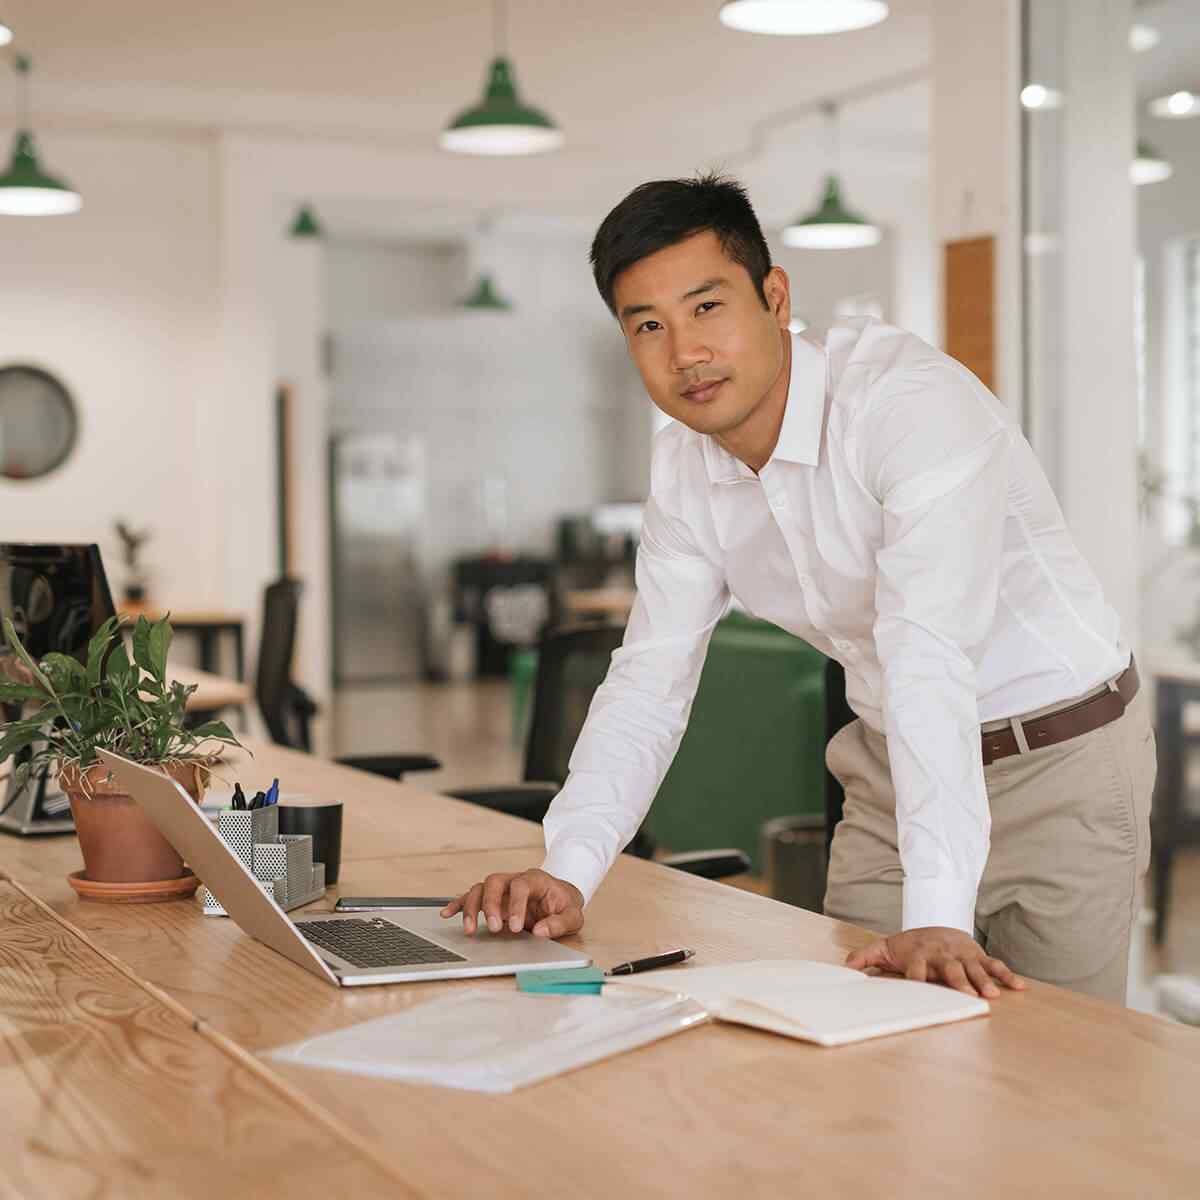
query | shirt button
[842, 644]
[806, 581]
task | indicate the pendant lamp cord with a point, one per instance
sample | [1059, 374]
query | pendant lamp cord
[22, 65]
[833, 148]
[500, 27]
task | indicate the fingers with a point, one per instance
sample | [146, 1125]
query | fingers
[1000, 971]
[455, 906]
[874, 955]
[918, 970]
[954, 975]
[977, 973]
[560, 924]
[518, 899]
[470, 908]
[495, 890]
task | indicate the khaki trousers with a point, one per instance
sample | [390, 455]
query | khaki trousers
[1070, 845]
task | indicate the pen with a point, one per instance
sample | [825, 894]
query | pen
[648, 964]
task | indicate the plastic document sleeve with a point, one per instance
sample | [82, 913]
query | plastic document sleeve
[489, 1041]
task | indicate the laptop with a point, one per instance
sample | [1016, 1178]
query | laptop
[399, 946]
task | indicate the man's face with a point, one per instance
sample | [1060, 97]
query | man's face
[707, 349]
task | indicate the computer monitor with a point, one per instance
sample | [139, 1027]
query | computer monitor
[57, 597]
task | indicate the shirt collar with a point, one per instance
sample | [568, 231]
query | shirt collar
[803, 419]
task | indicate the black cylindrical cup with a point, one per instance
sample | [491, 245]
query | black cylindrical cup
[324, 822]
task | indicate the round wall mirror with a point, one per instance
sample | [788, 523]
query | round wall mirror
[38, 423]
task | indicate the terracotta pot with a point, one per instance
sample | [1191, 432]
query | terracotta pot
[118, 840]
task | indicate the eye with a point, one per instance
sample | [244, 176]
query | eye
[708, 305]
[645, 327]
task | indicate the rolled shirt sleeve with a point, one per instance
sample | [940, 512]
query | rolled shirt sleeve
[937, 457]
[639, 713]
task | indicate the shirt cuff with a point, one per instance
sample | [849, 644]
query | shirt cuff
[945, 902]
[576, 864]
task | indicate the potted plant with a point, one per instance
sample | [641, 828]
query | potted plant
[67, 710]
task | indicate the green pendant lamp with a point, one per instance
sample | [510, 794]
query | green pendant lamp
[501, 124]
[831, 226]
[1149, 166]
[485, 298]
[25, 189]
[306, 224]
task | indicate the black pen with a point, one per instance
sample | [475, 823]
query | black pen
[648, 964]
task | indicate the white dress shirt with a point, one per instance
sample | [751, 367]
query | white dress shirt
[902, 526]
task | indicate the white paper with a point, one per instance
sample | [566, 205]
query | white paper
[815, 1001]
[495, 1041]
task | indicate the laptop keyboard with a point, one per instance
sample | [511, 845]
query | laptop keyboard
[374, 943]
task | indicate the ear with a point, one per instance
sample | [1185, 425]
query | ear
[778, 290]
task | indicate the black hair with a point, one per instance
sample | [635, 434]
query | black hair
[666, 211]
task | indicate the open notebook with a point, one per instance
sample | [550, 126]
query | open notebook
[813, 1001]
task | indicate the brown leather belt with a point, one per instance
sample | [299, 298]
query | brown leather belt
[1064, 723]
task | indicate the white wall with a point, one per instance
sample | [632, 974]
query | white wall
[541, 397]
[122, 302]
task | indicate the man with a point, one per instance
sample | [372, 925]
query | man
[868, 494]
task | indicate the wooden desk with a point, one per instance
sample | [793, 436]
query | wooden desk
[1054, 1092]
[613, 604]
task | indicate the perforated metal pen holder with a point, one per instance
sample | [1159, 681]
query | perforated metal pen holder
[241, 830]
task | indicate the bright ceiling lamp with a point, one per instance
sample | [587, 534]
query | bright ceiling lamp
[6, 33]
[1176, 105]
[25, 189]
[500, 124]
[802, 17]
[1035, 96]
[1149, 166]
[831, 226]
[1143, 38]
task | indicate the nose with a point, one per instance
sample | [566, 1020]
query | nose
[688, 352]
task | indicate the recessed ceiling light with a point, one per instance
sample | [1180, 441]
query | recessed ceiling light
[1177, 104]
[797, 325]
[1143, 38]
[6, 34]
[1035, 96]
[801, 17]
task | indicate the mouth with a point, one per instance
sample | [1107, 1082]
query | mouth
[702, 393]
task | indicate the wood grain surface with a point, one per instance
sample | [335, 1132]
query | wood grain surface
[1052, 1094]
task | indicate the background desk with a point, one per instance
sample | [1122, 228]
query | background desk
[212, 693]
[1054, 1092]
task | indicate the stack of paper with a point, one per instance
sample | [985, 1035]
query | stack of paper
[494, 1041]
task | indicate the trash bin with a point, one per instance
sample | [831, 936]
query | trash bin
[793, 857]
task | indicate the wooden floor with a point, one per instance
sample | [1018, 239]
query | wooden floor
[468, 726]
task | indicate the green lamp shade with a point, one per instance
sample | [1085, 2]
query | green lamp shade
[1149, 166]
[485, 298]
[832, 226]
[27, 191]
[501, 123]
[306, 224]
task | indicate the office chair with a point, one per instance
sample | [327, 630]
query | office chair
[837, 714]
[287, 708]
[572, 663]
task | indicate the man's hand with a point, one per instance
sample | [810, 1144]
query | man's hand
[550, 907]
[938, 955]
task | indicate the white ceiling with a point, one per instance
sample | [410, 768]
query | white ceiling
[1173, 64]
[641, 90]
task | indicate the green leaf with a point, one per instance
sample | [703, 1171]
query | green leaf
[17, 736]
[96, 648]
[66, 673]
[141, 646]
[159, 644]
[118, 666]
[10, 636]
[213, 729]
[10, 693]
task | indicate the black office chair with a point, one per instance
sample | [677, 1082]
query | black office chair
[287, 708]
[837, 714]
[572, 663]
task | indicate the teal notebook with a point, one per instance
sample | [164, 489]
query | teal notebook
[574, 981]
